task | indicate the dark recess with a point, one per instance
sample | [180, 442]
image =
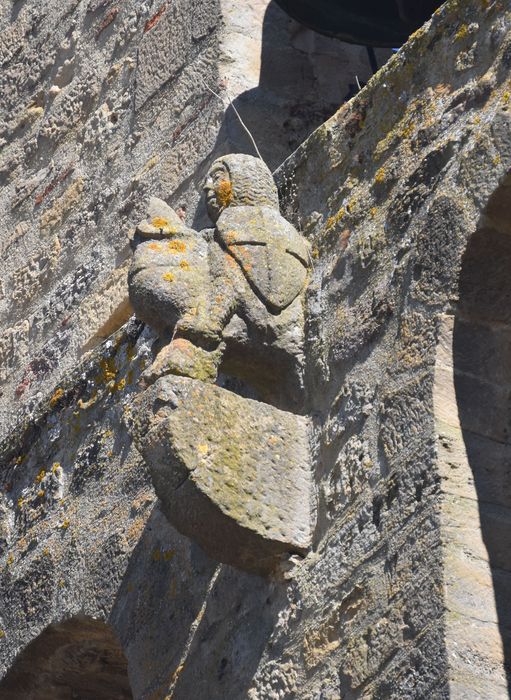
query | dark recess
[370, 22]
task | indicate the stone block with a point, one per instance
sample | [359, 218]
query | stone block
[232, 473]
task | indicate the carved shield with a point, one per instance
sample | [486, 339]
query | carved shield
[274, 257]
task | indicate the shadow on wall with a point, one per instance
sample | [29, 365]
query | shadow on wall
[79, 658]
[482, 377]
[304, 79]
[182, 625]
[189, 626]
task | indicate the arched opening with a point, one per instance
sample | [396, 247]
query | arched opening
[473, 414]
[482, 380]
[80, 658]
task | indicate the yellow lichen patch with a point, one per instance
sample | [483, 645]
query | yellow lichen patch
[120, 385]
[461, 33]
[202, 449]
[335, 219]
[373, 211]
[40, 476]
[65, 524]
[184, 265]
[506, 97]
[154, 246]
[10, 559]
[224, 193]
[21, 502]
[55, 467]
[176, 246]
[2, 634]
[168, 277]
[58, 394]
[379, 178]
[19, 459]
[40, 493]
[46, 552]
[496, 160]
[159, 222]
[109, 369]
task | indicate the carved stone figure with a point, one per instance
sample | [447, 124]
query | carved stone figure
[230, 295]
[231, 472]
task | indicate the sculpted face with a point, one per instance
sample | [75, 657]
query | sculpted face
[218, 189]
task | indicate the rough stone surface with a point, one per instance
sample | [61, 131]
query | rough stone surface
[233, 474]
[104, 103]
[394, 193]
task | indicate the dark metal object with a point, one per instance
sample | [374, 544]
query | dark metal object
[371, 22]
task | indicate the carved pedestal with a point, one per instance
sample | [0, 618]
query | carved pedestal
[231, 473]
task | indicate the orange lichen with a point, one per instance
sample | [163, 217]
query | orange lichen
[107, 21]
[176, 246]
[155, 18]
[159, 222]
[224, 193]
[184, 265]
[58, 394]
[154, 246]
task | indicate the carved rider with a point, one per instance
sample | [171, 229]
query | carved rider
[228, 298]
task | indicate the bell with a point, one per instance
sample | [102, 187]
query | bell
[371, 22]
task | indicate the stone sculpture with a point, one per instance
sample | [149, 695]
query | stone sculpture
[227, 304]
[226, 292]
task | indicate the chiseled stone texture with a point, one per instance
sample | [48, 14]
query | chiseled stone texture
[388, 191]
[105, 103]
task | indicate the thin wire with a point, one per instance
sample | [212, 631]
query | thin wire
[237, 114]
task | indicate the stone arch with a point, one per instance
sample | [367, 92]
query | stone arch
[473, 419]
[79, 658]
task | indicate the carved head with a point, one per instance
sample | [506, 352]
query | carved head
[237, 180]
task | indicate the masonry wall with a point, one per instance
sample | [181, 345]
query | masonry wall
[389, 191]
[105, 103]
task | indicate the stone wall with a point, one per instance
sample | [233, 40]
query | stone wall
[389, 191]
[105, 103]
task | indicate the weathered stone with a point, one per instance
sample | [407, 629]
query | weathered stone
[240, 285]
[232, 474]
[400, 595]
